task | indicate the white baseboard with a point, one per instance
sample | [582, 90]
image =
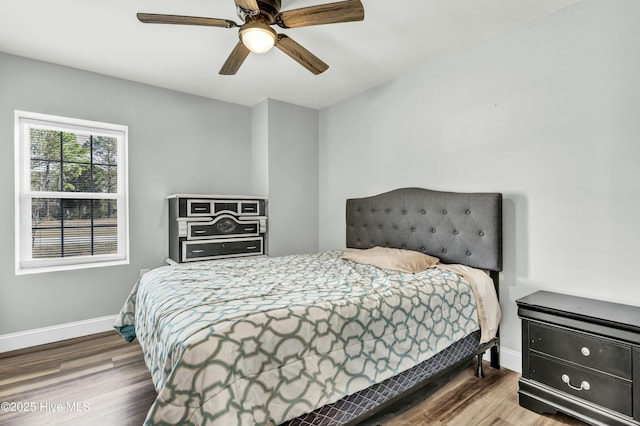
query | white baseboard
[56, 333]
[509, 359]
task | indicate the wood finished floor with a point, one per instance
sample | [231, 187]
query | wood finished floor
[101, 380]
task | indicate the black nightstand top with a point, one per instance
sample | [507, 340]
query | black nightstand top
[624, 317]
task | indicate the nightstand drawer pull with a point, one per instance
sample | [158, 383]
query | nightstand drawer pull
[585, 351]
[197, 251]
[583, 386]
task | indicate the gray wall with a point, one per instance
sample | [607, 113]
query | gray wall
[285, 144]
[548, 115]
[260, 148]
[177, 143]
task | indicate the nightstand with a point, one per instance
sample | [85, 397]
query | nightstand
[580, 357]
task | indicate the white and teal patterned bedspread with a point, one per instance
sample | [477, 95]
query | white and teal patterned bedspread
[258, 341]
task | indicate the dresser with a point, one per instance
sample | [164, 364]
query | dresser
[207, 227]
[580, 357]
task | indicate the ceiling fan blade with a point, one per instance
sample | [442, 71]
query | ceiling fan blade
[332, 13]
[248, 5]
[153, 18]
[301, 55]
[235, 59]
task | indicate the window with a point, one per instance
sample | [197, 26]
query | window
[71, 193]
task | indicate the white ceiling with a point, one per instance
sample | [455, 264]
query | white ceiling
[104, 36]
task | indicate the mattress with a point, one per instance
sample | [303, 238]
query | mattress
[259, 341]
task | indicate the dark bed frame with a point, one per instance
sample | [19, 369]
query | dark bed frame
[463, 228]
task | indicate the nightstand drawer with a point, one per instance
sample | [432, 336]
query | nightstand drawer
[203, 250]
[581, 349]
[602, 389]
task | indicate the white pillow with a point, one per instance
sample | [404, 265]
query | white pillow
[392, 258]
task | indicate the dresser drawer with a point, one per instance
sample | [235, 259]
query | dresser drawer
[599, 388]
[199, 207]
[215, 207]
[223, 226]
[581, 349]
[249, 208]
[203, 250]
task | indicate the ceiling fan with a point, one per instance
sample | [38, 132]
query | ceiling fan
[256, 34]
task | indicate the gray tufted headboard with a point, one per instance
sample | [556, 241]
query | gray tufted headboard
[456, 227]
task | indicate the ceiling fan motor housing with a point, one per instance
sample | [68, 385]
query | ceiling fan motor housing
[269, 9]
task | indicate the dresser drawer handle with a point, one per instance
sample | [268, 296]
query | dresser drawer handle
[200, 231]
[200, 209]
[252, 247]
[583, 386]
[585, 351]
[197, 251]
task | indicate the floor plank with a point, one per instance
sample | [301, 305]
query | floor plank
[102, 380]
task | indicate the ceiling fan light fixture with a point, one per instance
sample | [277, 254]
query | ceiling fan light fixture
[258, 37]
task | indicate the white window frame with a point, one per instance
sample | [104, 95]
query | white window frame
[25, 264]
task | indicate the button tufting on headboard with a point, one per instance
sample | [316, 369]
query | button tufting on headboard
[446, 224]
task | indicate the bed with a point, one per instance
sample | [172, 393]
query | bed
[321, 339]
